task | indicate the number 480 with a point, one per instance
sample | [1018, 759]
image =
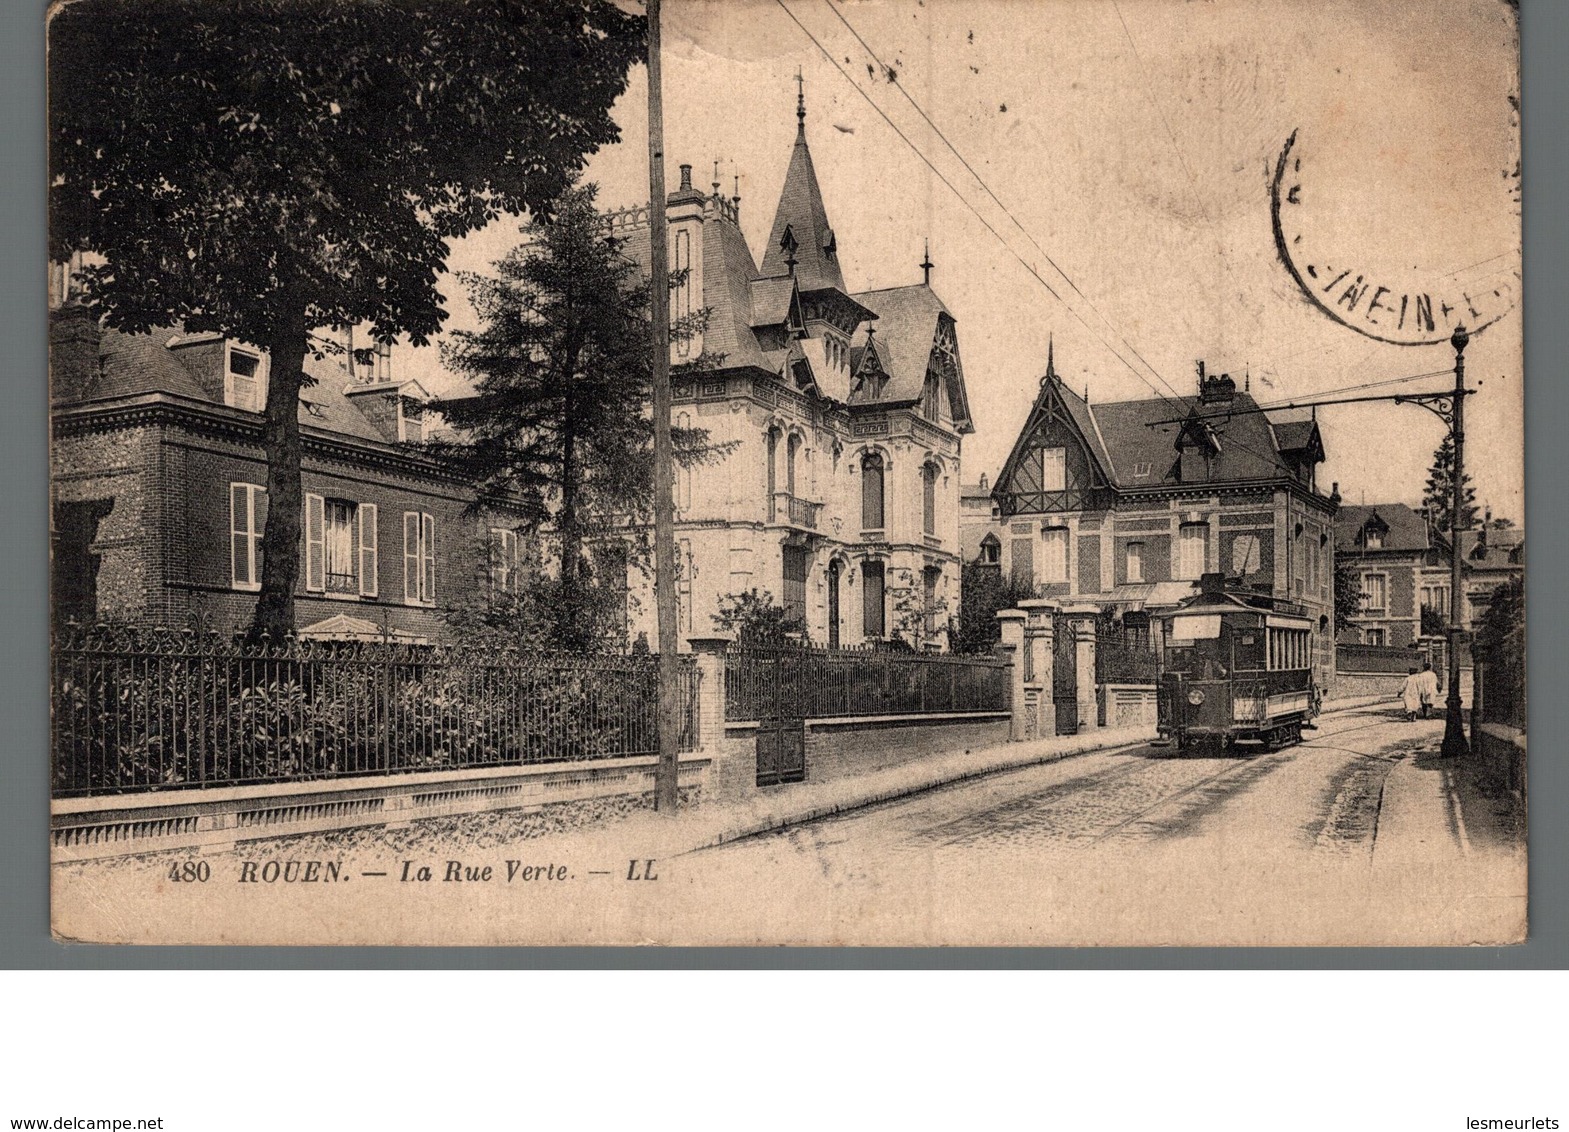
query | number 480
[189, 871]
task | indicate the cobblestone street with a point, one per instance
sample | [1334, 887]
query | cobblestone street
[1364, 797]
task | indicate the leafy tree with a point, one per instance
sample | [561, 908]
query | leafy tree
[264, 168]
[1348, 595]
[1503, 524]
[755, 619]
[1438, 494]
[983, 592]
[908, 616]
[1435, 622]
[561, 371]
[543, 615]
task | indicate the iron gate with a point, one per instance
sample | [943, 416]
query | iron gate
[781, 723]
[1064, 675]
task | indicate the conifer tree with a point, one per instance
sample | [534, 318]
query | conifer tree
[559, 419]
[1438, 494]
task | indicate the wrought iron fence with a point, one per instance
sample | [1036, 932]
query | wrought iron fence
[1124, 656]
[811, 682]
[139, 710]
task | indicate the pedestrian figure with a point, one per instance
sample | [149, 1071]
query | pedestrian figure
[1411, 694]
[1429, 688]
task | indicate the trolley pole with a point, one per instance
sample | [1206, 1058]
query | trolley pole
[666, 770]
[1455, 745]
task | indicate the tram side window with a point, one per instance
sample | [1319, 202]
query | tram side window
[1250, 649]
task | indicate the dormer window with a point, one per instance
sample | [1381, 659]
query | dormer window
[1373, 538]
[244, 379]
[411, 420]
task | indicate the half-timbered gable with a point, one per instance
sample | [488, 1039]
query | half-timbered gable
[1054, 466]
[1126, 504]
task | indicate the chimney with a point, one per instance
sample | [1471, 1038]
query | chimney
[685, 193]
[1216, 390]
[74, 351]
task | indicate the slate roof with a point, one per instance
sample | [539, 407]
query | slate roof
[1293, 436]
[906, 330]
[743, 299]
[132, 364]
[971, 535]
[771, 300]
[1505, 549]
[136, 364]
[801, 209]
[1126, 432]
[1407, 529]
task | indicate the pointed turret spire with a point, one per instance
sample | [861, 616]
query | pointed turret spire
[800, 107]
[1051, 361]
[801, 209]
[927, 265]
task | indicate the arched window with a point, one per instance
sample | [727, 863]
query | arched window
[871, 492]
[991, 550]
[929, 498]
[773, 469]
[792, 448]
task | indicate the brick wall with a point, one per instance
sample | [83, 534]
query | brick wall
[114, 469]
[163, 548]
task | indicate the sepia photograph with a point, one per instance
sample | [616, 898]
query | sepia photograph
[786, 472]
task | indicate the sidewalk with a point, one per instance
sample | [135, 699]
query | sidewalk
[716, 823]
[1431, 809]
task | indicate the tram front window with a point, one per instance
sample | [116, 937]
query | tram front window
[1198, 660]
[1199, 647]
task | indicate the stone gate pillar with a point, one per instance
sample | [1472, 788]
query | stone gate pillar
[1083, 618]
[710, 653]
[1011, 648]
[1040, 637]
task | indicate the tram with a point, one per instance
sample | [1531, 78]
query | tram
[1235, 669]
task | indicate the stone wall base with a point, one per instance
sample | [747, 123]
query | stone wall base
[843, 748]
[216, 819]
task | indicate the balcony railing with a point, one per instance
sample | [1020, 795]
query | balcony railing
[794, 510]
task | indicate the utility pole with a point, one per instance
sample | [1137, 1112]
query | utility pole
[1455, 745]
[666, 770]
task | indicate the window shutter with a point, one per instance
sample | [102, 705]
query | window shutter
[872, 495]
[427, 547]
[411, 558]
[428, 553]
[240, 573]
[368, 563]
[315, 543]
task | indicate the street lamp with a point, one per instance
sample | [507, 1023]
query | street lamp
[1455, 745]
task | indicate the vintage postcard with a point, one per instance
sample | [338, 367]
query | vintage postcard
[798, 472]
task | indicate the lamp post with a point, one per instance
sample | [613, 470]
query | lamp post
[667, 769]
[1455, 745]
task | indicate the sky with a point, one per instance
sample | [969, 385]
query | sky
[1097, 175]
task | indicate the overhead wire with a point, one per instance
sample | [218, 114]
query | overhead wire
[951, 188]
[981, 181]
[1268, 458]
